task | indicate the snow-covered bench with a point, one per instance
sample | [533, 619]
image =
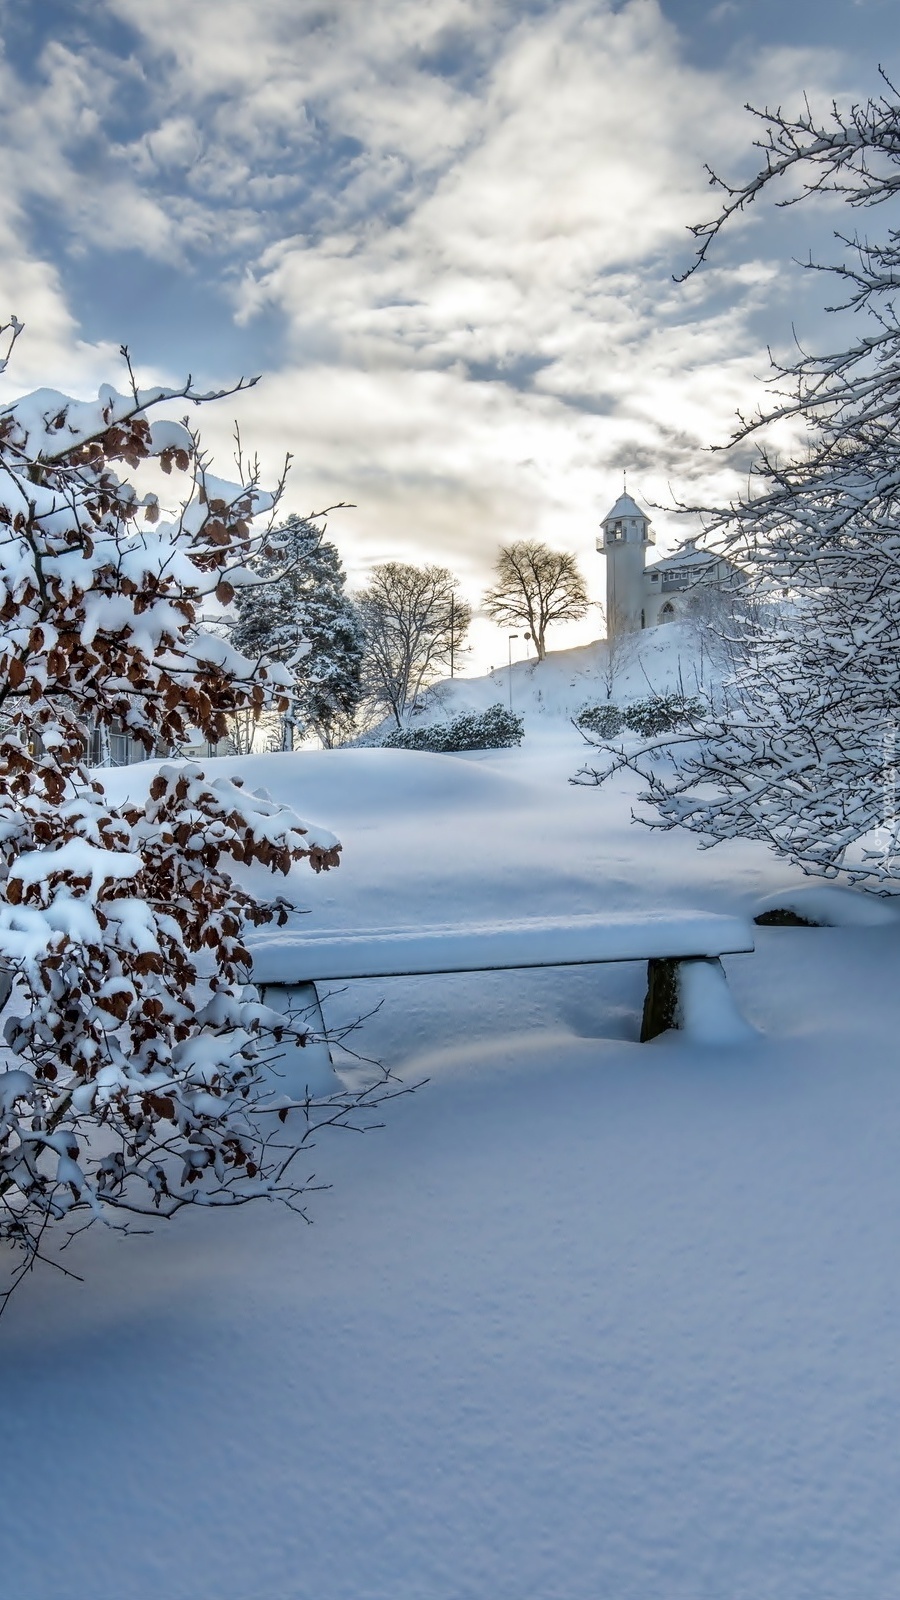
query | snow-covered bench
[686, 985]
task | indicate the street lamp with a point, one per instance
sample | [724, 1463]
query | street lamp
[511, 637]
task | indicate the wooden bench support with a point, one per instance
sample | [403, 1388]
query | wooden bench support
[692, 994]
[661, 999]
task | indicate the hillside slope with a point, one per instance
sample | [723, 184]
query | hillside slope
[656, 661]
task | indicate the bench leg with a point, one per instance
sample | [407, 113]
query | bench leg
[692, 994]
[303, 1069]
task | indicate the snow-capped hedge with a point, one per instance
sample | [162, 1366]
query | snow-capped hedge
[605, 721]
[494, 729]
[659, 713]
[662, 713]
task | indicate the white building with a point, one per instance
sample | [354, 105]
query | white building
[638, 596]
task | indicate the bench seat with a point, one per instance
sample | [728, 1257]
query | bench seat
[687, 987]
[290, 958]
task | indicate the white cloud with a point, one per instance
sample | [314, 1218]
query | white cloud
[466, 214]
[538, 245]
[177, 142]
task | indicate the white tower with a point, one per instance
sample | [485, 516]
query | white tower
[624, 540]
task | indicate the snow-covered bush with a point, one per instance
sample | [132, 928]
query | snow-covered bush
[662, 713]
[658, 713]
[494, 729]
[606, 721]
[132, 1075]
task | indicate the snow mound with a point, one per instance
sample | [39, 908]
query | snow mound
[708, 1014]
[354, 785]
[826, 905]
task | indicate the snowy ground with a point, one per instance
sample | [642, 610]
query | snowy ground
[585, 1319]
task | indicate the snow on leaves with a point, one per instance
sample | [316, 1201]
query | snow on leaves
[134, 1043]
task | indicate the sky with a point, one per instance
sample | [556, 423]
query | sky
[444, 232]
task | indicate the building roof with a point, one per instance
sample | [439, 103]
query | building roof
[686, 556]
[625, 507]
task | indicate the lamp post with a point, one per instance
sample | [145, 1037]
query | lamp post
[511, 637]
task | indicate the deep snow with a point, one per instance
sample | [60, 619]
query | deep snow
[586, 1318]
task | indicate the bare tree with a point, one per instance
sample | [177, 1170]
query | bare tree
[536, 586]
[618, 653]
[414, 621]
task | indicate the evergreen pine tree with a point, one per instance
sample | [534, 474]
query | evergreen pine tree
[300, 598]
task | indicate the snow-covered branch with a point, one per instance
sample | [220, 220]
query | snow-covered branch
[804, 755]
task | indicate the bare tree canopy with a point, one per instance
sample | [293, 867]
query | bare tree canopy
[805, 754]
[536, 586]
[415, 622]
[854, 153]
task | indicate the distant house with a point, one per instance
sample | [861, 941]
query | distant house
[115, 747]
[112, 746]
[640, 596]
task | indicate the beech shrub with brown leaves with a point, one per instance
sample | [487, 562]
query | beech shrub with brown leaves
[135, 1075]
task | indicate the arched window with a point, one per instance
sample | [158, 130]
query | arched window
[667, 612]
